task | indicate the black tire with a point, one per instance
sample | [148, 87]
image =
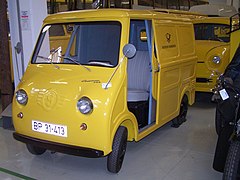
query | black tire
[183, 109]
[115, 158]
[176, 122]
[219, 123]
[232, 168]
[35, 149]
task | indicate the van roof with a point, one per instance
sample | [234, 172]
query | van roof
[73, 16]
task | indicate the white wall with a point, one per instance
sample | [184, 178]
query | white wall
[25, 23]
[217, 1]
[234, 3]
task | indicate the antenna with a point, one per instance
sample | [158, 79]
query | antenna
[129, 50]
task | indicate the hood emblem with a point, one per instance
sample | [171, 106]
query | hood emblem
[49, 99]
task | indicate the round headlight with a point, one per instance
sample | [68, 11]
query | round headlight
[216, 59]
[21, 97]
[85, 105]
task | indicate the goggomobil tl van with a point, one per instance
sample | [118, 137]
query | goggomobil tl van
[118, 77]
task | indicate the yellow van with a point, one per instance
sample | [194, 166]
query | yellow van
[123, 74]
[213, 50]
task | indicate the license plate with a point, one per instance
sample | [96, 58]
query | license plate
[224, 95]
[48, 128]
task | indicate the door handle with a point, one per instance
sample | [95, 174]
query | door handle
[157, 69]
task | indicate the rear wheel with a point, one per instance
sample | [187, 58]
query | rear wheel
[35, 149]
[176, 122]
[232, 165]
[115, 158]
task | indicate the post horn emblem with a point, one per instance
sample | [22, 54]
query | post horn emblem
[168, 37]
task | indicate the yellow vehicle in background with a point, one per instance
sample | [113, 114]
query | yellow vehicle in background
[235, 34]
[212, 48]
[118, 76]
[59, 36]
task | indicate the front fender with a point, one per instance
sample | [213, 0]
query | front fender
[129, 121]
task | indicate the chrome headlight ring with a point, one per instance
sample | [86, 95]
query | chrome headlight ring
[21, 97]
[85, 105]
[216, 60]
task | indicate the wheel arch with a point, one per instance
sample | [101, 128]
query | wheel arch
[183, 95]
[131, 126]
[189, 96]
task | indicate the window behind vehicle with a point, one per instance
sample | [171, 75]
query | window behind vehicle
[56, 30]
[214, 32]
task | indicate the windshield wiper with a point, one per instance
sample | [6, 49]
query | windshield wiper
[74, 61]
[50, 57]
[107, 64]
[49, 60]
[45, 58]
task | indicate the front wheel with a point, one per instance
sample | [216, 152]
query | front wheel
[232, 165]
[35, 149]
[115, 158]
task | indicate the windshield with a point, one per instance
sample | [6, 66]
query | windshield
[214, 32]
[87, 43]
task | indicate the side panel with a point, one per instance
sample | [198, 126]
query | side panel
[168, 51]
[176, 54]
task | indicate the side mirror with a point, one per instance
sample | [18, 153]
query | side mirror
[69, 28]
[129, 50]
[96, 4]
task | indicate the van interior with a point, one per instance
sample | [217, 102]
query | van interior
[139, 73]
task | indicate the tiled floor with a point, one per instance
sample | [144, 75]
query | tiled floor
[185, 153]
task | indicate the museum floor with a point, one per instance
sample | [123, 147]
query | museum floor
[185, 153]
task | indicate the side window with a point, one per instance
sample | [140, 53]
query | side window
[56, 30]
[222, 32]
[210, 31]
[198, 29]
[138, 35]
[143, 35]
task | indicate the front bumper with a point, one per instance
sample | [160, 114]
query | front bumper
[58, 147]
